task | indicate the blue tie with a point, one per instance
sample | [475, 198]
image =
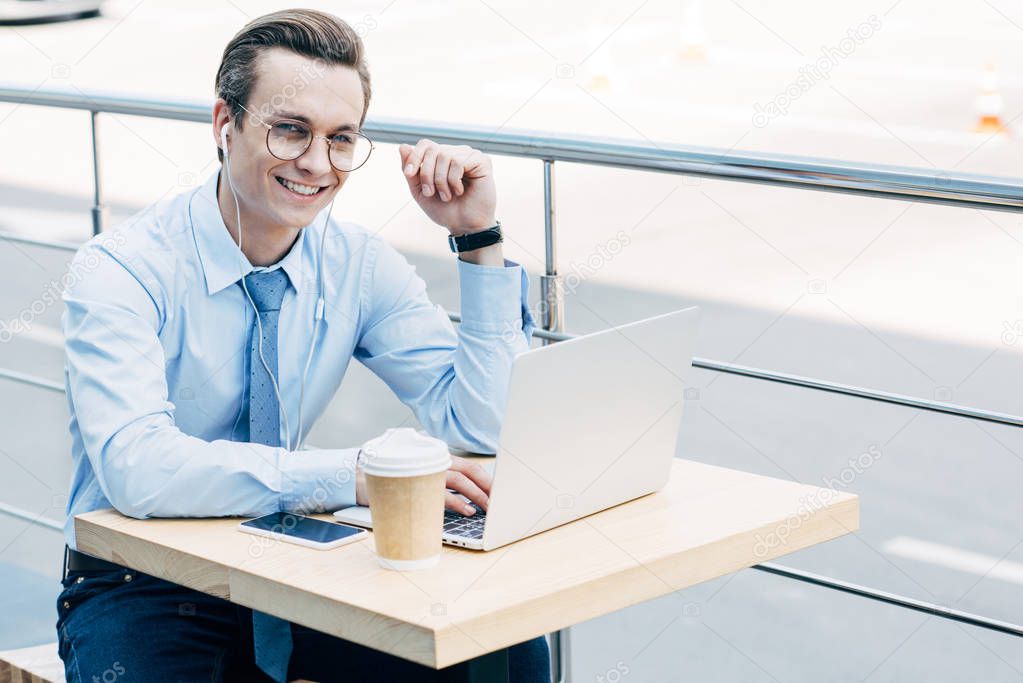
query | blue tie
[271, 636]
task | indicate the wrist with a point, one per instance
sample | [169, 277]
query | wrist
[484, 256]
[475, 226]
[360, 482]
[477, 241]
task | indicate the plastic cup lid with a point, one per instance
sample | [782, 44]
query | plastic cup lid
[404, 452]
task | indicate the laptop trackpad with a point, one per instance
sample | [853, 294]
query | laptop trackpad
[359, 515]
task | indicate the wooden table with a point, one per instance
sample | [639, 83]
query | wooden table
[707, 522]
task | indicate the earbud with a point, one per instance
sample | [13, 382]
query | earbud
[223, 136]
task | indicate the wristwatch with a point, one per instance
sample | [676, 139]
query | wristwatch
[476, 240]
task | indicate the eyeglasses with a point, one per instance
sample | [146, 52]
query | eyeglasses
[288, 139]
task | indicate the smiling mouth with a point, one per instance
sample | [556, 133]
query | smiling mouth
[300, 190]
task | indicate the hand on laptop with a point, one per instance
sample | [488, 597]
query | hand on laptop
[464, 476]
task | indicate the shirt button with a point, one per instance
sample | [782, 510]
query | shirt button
[67, 604]
[127, 577]
[80, 579]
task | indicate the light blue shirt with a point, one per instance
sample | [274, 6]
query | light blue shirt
[157, 331]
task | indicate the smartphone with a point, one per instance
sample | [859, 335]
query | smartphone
[301, 530]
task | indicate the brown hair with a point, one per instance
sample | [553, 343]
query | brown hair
[307, 32]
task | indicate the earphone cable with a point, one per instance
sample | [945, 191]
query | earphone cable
[318, 316]
[255, 310]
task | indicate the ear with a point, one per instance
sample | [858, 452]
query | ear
[221, 122]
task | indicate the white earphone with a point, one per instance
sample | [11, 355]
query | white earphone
[317, 315]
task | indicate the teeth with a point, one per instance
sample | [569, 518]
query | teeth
[300, 189]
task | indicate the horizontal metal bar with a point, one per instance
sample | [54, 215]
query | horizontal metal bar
[859, 392]
[30, 380]
[875, 180]
[30, 517]
[197, 111]
[37, 242]
[824, 385]
[808, 173]
[893, 599]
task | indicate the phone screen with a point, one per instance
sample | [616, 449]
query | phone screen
[298, 526]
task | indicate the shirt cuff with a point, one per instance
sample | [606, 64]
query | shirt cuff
[321, 480]
[495, 299]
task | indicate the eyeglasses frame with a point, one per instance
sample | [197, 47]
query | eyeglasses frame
[270, 126]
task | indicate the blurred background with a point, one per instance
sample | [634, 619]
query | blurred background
[899, 296]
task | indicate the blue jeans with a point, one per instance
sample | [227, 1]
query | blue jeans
[116, 626]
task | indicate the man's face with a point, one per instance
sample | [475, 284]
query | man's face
[292, 86]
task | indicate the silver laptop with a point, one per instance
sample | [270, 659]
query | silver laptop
[590, 422]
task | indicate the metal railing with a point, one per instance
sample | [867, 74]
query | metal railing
[889, 182]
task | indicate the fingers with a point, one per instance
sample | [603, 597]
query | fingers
[433, 169]
[476, 163]
[413, 160]
[403, 151]
[453, 501]
[465, 486]
[470, 480]
[409, 161]
[440, 176]
[410, 169]
[460, 157]
[473, 470]
[426, 170]
[455, 178]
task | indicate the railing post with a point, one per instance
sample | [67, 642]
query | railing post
[559, 655]
[552, 295]
[553, 319]
[98, 210]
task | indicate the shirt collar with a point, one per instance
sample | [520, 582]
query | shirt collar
[222, 262]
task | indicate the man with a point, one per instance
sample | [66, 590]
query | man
[208, 336]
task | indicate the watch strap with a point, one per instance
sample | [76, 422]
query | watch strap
[476, 240]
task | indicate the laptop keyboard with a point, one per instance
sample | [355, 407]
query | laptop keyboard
[457, 524]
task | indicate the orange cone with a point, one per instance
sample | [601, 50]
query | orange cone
[990, 103]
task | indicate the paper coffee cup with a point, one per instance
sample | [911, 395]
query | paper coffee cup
[406, 471]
